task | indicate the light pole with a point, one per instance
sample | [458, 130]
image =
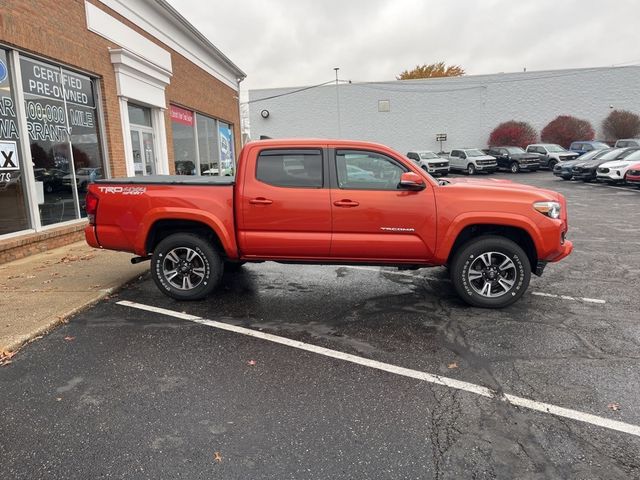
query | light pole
[338, 102]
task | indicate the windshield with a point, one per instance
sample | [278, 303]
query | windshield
[427, 155]
[555, 148]
[513, 150]
[590, 155]
[475, 153]
[611, 154]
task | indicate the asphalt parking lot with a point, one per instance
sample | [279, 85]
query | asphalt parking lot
[348, 375]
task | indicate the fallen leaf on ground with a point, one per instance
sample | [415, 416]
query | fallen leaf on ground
[6, 354]
[217, 457]
[252, 363]
[69, 338]
[5, 357]
[47, 281]
[614, 406]
[453, 365]
[58, 399]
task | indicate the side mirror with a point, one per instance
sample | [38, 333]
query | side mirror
[411, 181]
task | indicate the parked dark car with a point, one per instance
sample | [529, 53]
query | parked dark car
[587, 171]
[514, 159]
[51, 178]
[564, 170]
[584, 146]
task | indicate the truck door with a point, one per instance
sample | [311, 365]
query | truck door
[285, 205]
[373, 218]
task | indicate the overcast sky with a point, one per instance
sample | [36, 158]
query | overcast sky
[284, 43]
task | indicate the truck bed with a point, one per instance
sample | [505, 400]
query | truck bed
[171, 180]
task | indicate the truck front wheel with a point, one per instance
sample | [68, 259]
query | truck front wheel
[185, 266]
[490, 272]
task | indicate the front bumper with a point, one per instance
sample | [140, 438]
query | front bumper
[611, 176]
[438, 170]
[487, 168]
[565, 250]
[529, 166]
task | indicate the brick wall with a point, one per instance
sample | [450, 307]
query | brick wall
[25, 245]
[56, 29]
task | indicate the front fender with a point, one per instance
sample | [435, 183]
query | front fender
[459, 223]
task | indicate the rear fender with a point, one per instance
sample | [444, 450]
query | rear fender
[224, 232]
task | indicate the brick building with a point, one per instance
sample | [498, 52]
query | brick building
[95, 89]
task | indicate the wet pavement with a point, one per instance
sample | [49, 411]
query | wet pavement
[120, 393]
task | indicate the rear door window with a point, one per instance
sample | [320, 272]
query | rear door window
[290, 168]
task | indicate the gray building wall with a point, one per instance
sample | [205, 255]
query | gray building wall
[466, 108]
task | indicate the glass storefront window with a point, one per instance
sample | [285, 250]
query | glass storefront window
[211, 153]
[184, 141]
[63, 132]
[227, 156]
[208, 145]
[13, 205]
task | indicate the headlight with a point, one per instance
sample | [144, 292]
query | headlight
[550, 209]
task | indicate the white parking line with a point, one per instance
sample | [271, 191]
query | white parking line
[567, 297]
[405, 372]
[540, 294]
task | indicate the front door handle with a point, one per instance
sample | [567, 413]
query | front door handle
[260, 201]
[345, 203]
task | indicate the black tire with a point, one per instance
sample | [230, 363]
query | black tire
[471, 169]
[514, 167]
[498, 250]
[170, 265]
[564, 177]
[551, 164]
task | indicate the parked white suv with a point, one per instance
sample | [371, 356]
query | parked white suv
[615, 171]
[551, 153]
[430, 162]
[472, 160]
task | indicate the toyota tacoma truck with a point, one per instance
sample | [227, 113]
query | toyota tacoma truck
[331, 202]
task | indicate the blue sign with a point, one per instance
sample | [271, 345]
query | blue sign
[3, 71]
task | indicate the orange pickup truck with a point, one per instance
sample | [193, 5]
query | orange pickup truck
[331, 202]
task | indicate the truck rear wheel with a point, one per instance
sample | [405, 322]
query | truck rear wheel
[185, 266]
[490, 272]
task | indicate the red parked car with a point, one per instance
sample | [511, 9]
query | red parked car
[633, 175]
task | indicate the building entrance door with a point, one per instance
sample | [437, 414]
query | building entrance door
[144, 157]
[142, 140]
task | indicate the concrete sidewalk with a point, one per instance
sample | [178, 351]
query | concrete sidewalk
[41, 291]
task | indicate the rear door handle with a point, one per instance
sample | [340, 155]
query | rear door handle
[345, 203]
[260, 201]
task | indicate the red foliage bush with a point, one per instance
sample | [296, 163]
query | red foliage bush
[621, 124]
[566, 129]
[512, 133]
